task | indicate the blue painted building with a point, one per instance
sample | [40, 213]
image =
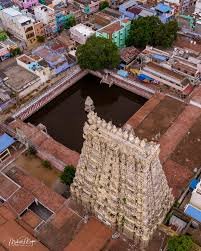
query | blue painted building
[57, 61]
[164, 12]
[133, 10]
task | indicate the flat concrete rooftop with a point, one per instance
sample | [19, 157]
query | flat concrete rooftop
[18, 77]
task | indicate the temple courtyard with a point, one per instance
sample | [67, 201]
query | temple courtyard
[170, 122]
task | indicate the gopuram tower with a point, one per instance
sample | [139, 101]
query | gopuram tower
[120, 180]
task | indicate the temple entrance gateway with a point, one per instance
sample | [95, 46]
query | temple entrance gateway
[119, 178]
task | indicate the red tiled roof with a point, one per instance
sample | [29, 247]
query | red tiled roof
[21, 200]
[93, 236]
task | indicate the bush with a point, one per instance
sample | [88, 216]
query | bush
[68, 175]
[40, 39]
[103, 5]
[180, 243]
[15, 52]
[3, 36]
[46, 164]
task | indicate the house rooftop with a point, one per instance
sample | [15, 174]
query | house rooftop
[129, 53]
[20, 200]
[193, 212]
[7, 187]
[165, 71]
[83, 29]
[11, 12]
[113, 27]
[163, 8]
[18, 77]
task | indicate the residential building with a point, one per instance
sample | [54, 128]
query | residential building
[88, 6]
[188, 66]
[183, 7]
[35, 65]
[4, 53]
[5, 47]
[58, 62]
[101, 19]
[19, 80]
[116, 31]
[39, 29]
[63, 15]
[46, 15]
[166, 76]
[26, 4]
[179, 61]
[5, 4]
[193, 209]
[196, 196]
[132, 10]
[198, 6]
[112, 12]
[19, 25]
[164, 12]
[80, 33]
[66, 41]
[186, 22]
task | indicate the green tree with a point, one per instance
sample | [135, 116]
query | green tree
[103, 5]
[40, 39]
[46, 164]
[3, 36]
[180, 243]
[98, 53]
[31, 150]
[15, 52]
[151, 31]
[70, 22]
[68, 175]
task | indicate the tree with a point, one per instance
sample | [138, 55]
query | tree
[32, 150]
[180, 243]
[15, 52]
[98, 53]
[151, 31]
[3, 36]
[103, 5]
[40, 39]
[68, 175]
[46, 164]
[70, 22]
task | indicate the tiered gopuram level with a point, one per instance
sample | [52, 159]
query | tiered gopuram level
[119, 178]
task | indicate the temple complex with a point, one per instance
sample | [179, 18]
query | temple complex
[120, 179]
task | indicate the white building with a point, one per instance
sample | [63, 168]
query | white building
[35, 65]
[46, 15]
[19, 25]
[198, 6]
[80, 33]
[196, 197]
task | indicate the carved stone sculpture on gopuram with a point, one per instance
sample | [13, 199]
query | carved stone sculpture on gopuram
[119, 179]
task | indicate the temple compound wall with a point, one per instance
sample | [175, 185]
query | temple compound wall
[120, 179]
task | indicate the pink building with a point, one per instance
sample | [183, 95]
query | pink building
[26, 4]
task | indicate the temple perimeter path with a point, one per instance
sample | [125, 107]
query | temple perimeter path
[176, 126]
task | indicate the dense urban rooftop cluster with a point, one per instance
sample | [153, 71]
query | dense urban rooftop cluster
[110, 205]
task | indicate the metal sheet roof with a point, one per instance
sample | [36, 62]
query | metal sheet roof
[193, 212]
[5, 142]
